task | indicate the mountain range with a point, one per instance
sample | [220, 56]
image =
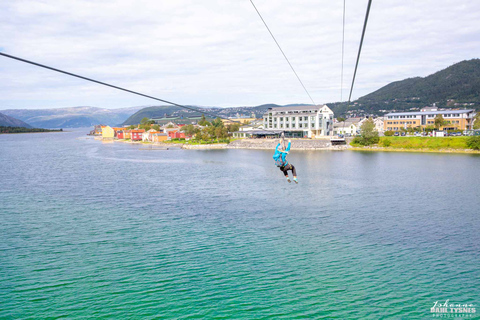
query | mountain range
[7, 121]
[457, 86]
[74, 117]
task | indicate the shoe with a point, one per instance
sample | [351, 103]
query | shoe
[295, 179]
[288, 179]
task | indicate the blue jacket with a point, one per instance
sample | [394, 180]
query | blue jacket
[282, 154]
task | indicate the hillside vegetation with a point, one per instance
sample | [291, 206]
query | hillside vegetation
[456, 86]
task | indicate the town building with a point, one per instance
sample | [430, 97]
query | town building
[300, 121]
[455, 119]
[349, 127]
[136, 135]
[107, 132]
[159, 137]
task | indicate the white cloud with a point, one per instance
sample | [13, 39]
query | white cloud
[219, 53]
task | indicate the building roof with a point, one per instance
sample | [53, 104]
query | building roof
[427, 112]
[297, 108]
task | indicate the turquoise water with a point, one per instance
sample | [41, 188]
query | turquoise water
[111, 230]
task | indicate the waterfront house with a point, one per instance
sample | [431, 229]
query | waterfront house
[159, 137]
[136, 134]
[121, 134]
[176, 135]
[108, 132]
[349, 127]
[300, 121]
[127, 134]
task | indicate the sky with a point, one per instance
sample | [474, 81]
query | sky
[219, 53]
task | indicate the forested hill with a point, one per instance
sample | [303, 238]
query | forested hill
[455, 86]
[8, 121]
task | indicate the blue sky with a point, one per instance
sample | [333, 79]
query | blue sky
[218, 53]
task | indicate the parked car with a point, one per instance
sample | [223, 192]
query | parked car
[403, 134]
[396, 134]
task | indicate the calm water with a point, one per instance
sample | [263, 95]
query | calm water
[92, 229]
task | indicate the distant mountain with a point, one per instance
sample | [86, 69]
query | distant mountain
[7, 121]
[161, 111]
[151, 112]
[73, 117]
[456, 86]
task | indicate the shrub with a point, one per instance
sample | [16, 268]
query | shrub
[387, 143]
[473, 142]
[389, 133]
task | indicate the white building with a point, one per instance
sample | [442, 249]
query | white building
[301, 121]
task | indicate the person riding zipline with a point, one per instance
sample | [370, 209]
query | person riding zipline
[280, 158]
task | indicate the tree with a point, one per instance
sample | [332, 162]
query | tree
[340, 119]
[233, 127]
[147, 121]
[217, 123]
[369, 133]
[439, 121]
[474, 142]
[190, 130]
[203, 121]
[156, 127]
[476, 123]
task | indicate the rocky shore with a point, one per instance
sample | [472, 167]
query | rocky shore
[265, 144]
[297, 144]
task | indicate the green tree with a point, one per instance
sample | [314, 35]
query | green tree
[203, 121]
[156, 127]
[439, 121]
[476, 124]
[218, 123]
[340, 119]
[233, 127]
[388, 133]
[473, 142]
[369, 133]
[190, 130]
[147, 121]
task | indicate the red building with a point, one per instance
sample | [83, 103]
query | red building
[120, 135]
[137, 134]
[176, 135]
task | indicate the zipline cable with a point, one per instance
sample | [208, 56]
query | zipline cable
[113, 86]
[360, 48]
[284, 55]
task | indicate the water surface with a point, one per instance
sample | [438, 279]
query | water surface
[92, 229]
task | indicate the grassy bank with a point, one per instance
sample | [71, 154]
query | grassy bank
[432, 144]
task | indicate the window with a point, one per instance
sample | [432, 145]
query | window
[281, 125]
[305, 118]
[281, 118]
[286, 126]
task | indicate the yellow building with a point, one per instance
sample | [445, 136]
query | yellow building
[455, 119]
[107, 132]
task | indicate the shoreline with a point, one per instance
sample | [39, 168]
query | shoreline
[302, 145]
[386, 149]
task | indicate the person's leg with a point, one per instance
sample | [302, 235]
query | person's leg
[294, 172]
[285, 172]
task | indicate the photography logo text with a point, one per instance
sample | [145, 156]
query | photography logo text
[449, 309]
